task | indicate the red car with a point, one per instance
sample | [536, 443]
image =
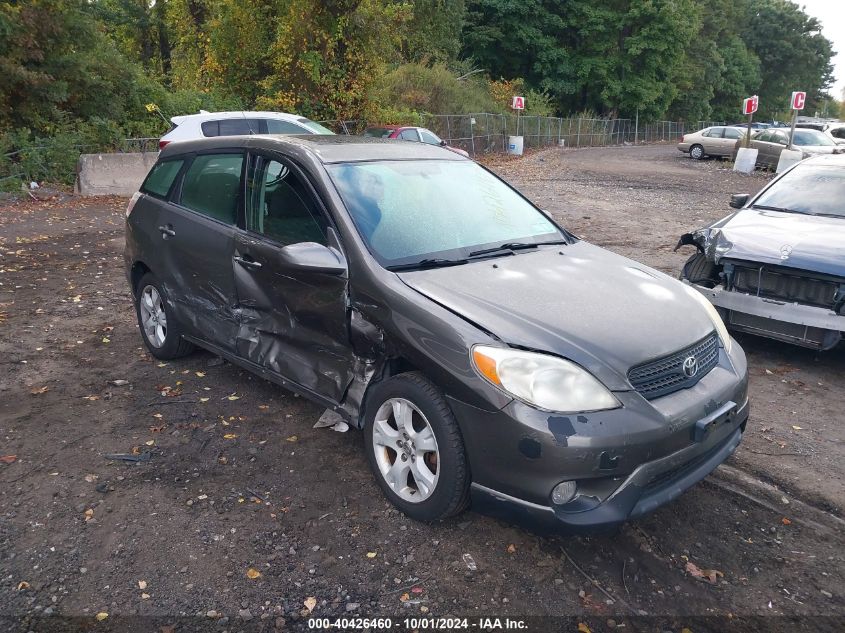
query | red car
[410, 133]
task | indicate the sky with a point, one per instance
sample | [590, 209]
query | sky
[831, 15]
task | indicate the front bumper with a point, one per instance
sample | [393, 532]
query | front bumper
[627, 462]
[809, 326]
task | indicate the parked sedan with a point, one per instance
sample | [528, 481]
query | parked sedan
[711, 141]
[770, 143]
[775, 268]
[484, 351]
[409, 133]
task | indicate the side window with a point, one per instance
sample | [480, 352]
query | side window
[732, 133]
[838, 132]
[236, 127]
[766, 137]
[717, 132]
[161, 177]
[428, 137]
[210, 128]
[781, 138]
[409, 135]
[212, 184]
[275, 126]
[707, 133]
[280, 205]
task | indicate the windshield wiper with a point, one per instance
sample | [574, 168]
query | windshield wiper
[435, 262]
[781, 209]
[509, 247]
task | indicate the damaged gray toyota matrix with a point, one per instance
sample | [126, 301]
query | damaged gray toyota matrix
[488, 355]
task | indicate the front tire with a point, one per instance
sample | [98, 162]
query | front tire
[696, 152]
[161, 332]
[415, 448]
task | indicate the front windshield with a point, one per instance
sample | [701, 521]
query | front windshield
[314, 126]
[408, 211]
[815, 189]
[811, 137]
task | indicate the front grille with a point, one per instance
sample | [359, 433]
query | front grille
[666, 375]
[777, 283]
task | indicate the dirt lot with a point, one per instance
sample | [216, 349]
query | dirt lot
[244, 513]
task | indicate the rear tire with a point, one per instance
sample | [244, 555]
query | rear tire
[160, 330]
[696, 152]
[410, 433]
[701, 271]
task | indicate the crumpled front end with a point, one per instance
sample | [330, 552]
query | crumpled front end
[773, 274]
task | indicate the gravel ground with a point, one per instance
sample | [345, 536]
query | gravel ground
[245, 517]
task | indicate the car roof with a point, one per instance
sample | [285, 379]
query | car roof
[214, 116]
[325, 148]
[835, 160]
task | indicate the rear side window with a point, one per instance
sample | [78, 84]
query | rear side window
[732, 133]
[161, 177]
[232, 127]
[409, 135]
[838, 132]
[212, 186]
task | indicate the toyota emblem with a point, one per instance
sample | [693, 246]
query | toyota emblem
[785, 251]
[690, 366]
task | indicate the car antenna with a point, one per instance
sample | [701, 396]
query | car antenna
[248, 124]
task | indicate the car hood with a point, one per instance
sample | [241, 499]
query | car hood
[601, 310]
[806, 242]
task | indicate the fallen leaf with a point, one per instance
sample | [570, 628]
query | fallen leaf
[22, 585]
[233, 397]
[405, 597]
[252, 574]
[511, 549]
[8, 459]
[310, 603]
[38, 390]
[142, 584]
[264, 407]
[710, 575]
[417, 590]
[106, 339]
[292, 438]
[89, 514]
[92, 398]
[583, 628]
[203, 399]
[797, 428]
[158, 416]
[158, 429]
[230, 436]
[119, 383]
[200, 374]
[76, 299]
[145, 596]
[371, 554]
[785, 521]
[150, 443]
[102, 615]
[91, 478]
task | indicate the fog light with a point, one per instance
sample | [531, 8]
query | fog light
[564, 492]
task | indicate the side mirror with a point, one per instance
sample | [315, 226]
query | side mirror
[739, 200]
[312, 257]
[443, 143]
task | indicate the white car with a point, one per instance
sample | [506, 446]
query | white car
[207, 124]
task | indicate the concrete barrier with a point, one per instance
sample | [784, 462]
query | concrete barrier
[112, 174]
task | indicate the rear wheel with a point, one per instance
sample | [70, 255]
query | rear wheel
[701, 271]
[415, 448]
[696, 152]
[159, 329]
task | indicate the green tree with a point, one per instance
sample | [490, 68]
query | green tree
[793, 54]
[433, 32]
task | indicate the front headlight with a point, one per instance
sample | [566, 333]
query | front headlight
[714, 316]
[547, 382]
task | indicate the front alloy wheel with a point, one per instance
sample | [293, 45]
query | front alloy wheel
[405, 450]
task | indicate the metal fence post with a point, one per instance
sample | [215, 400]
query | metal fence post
[578, 138]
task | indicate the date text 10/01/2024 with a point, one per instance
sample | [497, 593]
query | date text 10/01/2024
[418, 624]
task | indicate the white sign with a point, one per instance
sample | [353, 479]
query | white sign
[798, 99]
[749, 105]
[518, 103]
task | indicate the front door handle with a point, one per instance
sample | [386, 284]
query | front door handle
[167, 230]
[247, 263]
